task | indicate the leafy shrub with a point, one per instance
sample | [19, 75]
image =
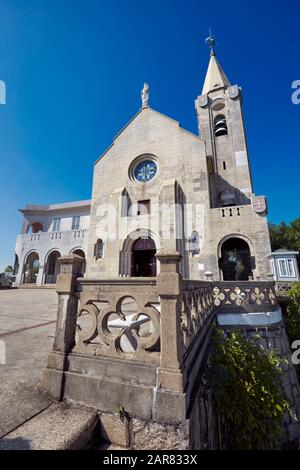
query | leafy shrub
[292, 317]
[244, 379]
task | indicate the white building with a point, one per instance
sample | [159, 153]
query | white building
[48, 232]
[284, 266]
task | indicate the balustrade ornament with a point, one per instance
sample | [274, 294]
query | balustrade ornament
[257, 296]
[247, 295]
[197, 305]
[282, 288]
[219, 296]
[237, 296]
[107, 331]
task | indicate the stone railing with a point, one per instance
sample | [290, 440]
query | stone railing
[34, 237]
[282, 289]
[118, 318]
[55, 235]
[80, 233]
[244, 296]
[222, 214]
[143, 343]
[155, 321]
[234, 211]
[197, 306]
[65, 236]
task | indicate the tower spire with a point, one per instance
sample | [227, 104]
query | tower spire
[215, 76]
[211, 42]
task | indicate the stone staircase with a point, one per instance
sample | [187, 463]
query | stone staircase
[62, 426]
[59, 427]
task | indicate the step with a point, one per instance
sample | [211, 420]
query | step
[60, 427]
[33, 286]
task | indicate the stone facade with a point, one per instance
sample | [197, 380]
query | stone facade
[199, 199]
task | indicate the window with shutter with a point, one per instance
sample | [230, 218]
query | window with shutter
[143, 207]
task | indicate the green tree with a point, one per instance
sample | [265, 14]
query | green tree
[292, 317]
[293, 235]
[9, 269]
[278, 236]
[285, 236]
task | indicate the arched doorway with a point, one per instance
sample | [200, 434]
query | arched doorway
[35, 227]
[143, 260]
[235, 261]
[52, 267]
[16, 265]
[31, 268]
[81, 253]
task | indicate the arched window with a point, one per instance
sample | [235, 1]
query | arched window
[235, 261]
[220, 126]
[125, 203]
[16, 265]
[228, 198]
[31, 268]
[35, 227]
[81, 253]
[98, 249]
[52, 267]
[194, 246]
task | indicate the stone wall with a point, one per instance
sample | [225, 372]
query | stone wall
[157, 384]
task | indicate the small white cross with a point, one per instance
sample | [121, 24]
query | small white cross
[128, 341]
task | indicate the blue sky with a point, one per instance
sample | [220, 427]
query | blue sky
[74, 70]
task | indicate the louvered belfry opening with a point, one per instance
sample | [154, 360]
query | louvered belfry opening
[220, 125]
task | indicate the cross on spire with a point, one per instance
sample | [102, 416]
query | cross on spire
[210, 41]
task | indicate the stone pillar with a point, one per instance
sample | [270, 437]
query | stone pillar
[70, 270]
[169, 375]
[39, 278]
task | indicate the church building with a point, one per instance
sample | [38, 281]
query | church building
[160, 187]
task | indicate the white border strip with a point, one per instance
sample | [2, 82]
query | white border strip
[250, 319]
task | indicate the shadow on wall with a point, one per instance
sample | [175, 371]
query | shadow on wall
[226, 194]
[19, 443]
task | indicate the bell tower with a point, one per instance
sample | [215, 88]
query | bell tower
[220, 124]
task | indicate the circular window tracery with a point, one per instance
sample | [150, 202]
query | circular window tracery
[145, 170]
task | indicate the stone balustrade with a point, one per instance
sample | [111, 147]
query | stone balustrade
[143, 343]
[282, 289]
[244, 296]
[220, 214]
[145, 337]
[34, 239]
[80, 233]
[197, 306]
[118, 318]
[55, 235]
[235, 211]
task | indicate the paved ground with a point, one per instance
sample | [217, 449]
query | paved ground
[27, 325]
